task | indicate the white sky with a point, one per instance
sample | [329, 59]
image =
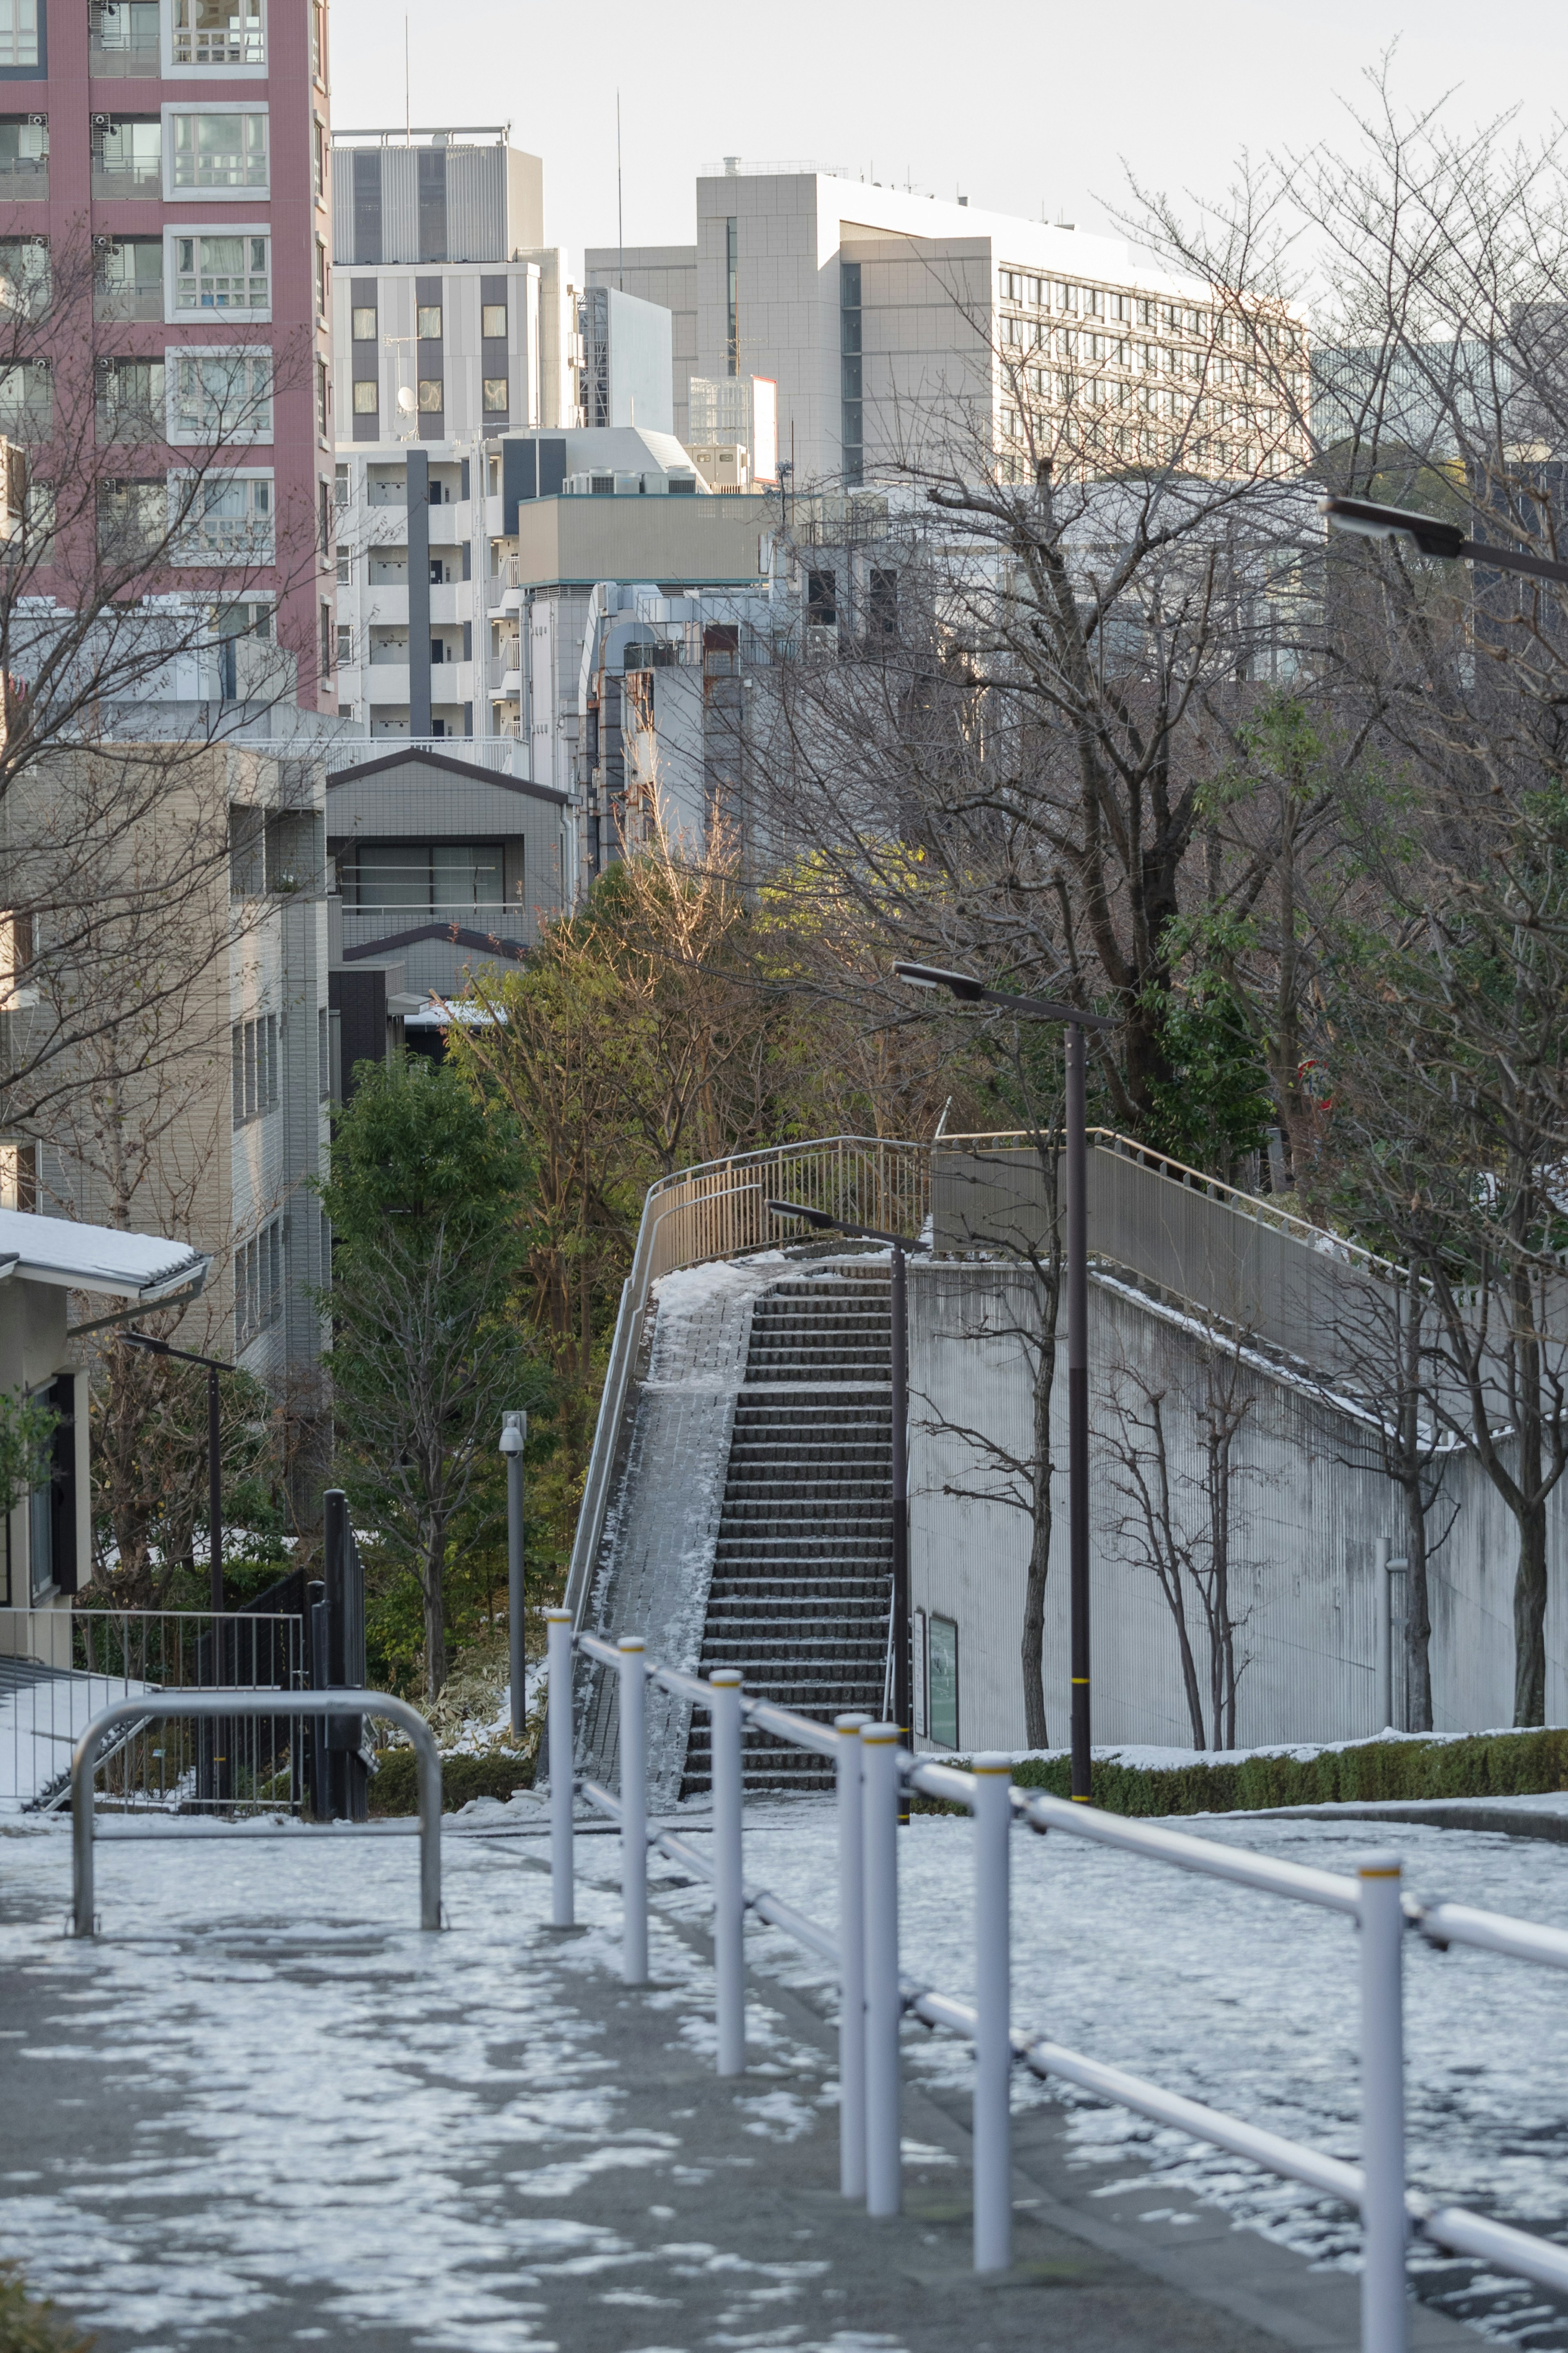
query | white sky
[1016, 103]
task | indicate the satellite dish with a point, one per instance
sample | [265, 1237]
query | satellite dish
[404, 400]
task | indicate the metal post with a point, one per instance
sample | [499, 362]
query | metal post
[559, 1655]
[215, 1505]
[1383, 1638]
[880, 1770]
[728, 1886]
[992, 2005]
[1384, 2224]
[514, 1428]
[851, 1962]
[1077, 1405]
[900, 1466]
[633, 1812]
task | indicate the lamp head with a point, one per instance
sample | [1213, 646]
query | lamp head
[935, 975]
[1425, 533]
[513, 1433]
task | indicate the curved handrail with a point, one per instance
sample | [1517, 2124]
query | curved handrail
[163, 1704]
[841, 1169]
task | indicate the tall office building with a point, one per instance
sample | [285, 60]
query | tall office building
[184, 146]
[890, 321]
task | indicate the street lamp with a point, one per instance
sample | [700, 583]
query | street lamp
[513, 1439]
[215, 1456]
[970, 991]
[901, 1246]
[1430, 537]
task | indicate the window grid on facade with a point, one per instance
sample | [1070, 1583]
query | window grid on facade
[851, 388]
[221, 274]
[253, 1047]
[18, 33]
[220, 150]
[219, 33]
[257, 1284]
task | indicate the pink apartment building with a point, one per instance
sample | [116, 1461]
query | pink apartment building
[186, 144]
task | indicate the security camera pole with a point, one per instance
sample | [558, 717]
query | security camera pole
[513, 1439]
[1430, 537]
[901, 1246]
[970, 991]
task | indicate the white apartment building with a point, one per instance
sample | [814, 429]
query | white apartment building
[890, 321]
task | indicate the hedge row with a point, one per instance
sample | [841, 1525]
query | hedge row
[1489, 1765]
[494, 1775]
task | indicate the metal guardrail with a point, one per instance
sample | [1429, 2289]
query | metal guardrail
[719, 1210]
[57, 1667]
[222, 1704]
[871, 1769]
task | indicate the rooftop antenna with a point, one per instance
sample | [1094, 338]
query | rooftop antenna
[620, 210]
[407, 103]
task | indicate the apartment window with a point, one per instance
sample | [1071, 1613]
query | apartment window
[324, 401]
[257, 1285]
[1066, 296]
[366, 397]
[219, 148]
[18, 33]
[253, 1051]
[127, 155]
[494, 395]
[217, 33]
[345, 643]
[492, 323]
[128, 400]
[223, 273]
[318, 42]
[128, 278]
[133, 518]
[324, 517]
[227, 518]
[345, 569]
[1093, 302]
[363, 325]
[221, 395]
[432, 396]
[425, 877]
[318, 161]
[326, 643]
[429, 322]
[821, 599]
[122, 36]
[27, 401]
[323, 282]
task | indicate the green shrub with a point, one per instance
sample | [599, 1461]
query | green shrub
[27, 2327]
[495, 1774]
[1487, 1765]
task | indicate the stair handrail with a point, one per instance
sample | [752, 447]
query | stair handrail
[657, 1254]
[1255, 1205]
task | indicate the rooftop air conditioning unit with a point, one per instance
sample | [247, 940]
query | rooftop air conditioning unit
[655, 486]
[627, 485]
[602, 486]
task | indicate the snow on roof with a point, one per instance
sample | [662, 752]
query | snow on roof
[143, 1267]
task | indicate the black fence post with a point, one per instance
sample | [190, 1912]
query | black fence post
[316, 1667]
[349, 1775]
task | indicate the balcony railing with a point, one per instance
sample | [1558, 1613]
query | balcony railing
[120, 184]
[124, 65]
[24, 177]
[113, 304]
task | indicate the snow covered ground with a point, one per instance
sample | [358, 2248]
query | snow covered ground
[302, 2122]
[1248, 2004]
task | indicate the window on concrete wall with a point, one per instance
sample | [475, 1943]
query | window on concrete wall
[223, 273]
[18, 34]
[217, 149]
[943, 1678]
[363, 325]
[492, 323]
[253, 1049]
[366, 398]
[257, 1284]
[851, 415]
[732, 296]
[494, 395]
[216, 33]
[429, 322]
[221, 395]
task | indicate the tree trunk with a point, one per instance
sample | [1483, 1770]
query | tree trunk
[434, 1613]
[1530, 1617]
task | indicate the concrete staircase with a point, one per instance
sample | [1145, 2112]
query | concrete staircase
[803, 1572]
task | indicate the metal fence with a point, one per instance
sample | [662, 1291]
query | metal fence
[59, 1668]
[719, 1210]
[872, 1772]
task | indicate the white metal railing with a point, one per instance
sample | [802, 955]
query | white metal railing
[871, 1771]
[720, 1209]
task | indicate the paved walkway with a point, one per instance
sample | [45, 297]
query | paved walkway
[262, 2111]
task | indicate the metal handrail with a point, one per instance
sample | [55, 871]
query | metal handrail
[227, 1703]
[1247, 1205]
[652, 1258]
[870, 1767]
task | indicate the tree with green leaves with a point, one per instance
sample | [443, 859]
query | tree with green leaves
[424, 1197]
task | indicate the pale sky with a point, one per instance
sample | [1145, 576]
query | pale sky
[1016, 106]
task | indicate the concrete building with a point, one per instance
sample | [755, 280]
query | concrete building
[46, 1537]
[183, 147]
[890, 321]
[224, 1132]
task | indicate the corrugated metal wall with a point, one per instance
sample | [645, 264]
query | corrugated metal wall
[1305, 1522]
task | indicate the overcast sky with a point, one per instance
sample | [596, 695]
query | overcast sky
[1016, 106]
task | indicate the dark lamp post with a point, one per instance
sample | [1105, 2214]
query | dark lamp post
[970, 991]
[901, 1245]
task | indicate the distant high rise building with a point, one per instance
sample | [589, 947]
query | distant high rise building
[890, 321]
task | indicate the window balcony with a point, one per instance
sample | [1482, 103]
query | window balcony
[136, 183]
[124, 65]
[24, 179]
